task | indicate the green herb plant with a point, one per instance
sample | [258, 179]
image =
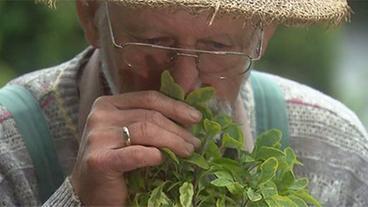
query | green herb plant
[221, 173]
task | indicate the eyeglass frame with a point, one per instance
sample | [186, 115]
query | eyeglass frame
[185, 51]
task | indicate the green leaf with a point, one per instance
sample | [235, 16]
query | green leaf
[228, 165]
[136, 201]
[200, 95]
[211, 127]
[260, 203]
[221, 182]
[268, 189]
[235, 188]
[197, 160]
[173, 185]
[291, 157]
[135, 180]
[249, 159]
[197, 130]
[271, 203]
[212, 150]
[229, 142]
[235, 132]
[224, 120]
[169, 87]
[265, 152]
[299, 202]
[206, 112]
[157, 197]
[286, 180]
[299, 184]
[224, 175]
[269, 138]
[220, 202]
[303, 194]
[268, 169]
[186, 194]
[283, 201]
[203, 200]
[253, 196]
[170, 154]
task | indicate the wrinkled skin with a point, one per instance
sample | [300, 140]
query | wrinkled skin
[154, 120]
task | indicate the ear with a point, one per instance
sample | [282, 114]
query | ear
[267, 35]
[86, 12]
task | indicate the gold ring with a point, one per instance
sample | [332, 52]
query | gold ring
[126, 136]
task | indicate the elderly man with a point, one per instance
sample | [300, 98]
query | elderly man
[113, 85]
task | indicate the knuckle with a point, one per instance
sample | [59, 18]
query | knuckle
[95, 162]
[176, 109]
[95, 117]
[152, 96]
[138, 156]
[93, 135]
[144, 129]
[102, 100]
[154, 116]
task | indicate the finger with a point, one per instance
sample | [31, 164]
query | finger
[134, 157]
[106, 138]
[153, 100]
[124, 159]
[127, 117]
[149, 134]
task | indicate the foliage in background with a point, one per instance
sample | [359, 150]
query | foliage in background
[302, 54]
[33, 36]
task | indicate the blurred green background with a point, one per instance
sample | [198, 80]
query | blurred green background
[333, 60]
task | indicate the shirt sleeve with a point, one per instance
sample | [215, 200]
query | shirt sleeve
[18, 183]
[64, 196]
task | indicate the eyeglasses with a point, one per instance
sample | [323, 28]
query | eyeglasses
[210, 64]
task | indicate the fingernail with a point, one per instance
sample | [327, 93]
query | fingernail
[196, 115]
[196, 142]
[189, 148]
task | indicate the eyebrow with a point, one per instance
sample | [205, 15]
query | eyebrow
[137, 30]
[222, 36]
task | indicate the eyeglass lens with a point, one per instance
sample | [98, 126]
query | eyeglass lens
[141, 57]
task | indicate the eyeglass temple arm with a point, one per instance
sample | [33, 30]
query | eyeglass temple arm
[260, 46]
[110, 26]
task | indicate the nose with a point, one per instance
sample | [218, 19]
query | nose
[185, 71]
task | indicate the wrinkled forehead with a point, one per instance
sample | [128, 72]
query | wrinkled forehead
[179, 21]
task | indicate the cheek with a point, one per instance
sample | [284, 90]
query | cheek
[132, 79]
[227, 89]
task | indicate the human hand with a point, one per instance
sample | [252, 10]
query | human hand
[154, 121]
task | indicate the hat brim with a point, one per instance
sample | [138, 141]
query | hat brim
[287, 12]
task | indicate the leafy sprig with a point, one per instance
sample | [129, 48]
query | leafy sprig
[221, 173]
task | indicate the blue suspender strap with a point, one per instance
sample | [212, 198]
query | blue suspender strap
[33, 127]
[271, 111]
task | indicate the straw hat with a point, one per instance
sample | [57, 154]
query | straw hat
[287, 12]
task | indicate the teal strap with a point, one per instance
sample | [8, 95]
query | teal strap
[271, 111]
[33, 127]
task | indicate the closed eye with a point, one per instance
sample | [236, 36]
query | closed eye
[214, 46]
[163, 41]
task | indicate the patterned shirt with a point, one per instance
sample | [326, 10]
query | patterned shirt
[328, 138]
